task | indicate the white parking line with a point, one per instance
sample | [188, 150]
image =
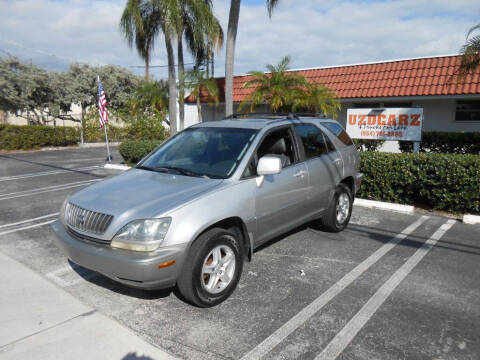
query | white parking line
[349, 331]
[45, 173]
[45, 189]
[295, 322]
[29, 220]
[27, 227]
[306, 258]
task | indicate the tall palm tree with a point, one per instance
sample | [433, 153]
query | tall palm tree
[162, 15]
[277, 88]
[200, 84]
[202, 32]
[138, 27]
[230, 49]
[470, 54]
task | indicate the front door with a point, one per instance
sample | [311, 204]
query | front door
[280, 199]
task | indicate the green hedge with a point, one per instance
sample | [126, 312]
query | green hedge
[14, 137]
[448, 182]
[133, 151]
[446, 142]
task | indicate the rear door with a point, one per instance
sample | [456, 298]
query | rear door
[323, 174]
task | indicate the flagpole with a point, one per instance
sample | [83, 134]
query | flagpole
[103, 114]
[109, 158]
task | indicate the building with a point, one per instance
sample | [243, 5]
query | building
[429, 83]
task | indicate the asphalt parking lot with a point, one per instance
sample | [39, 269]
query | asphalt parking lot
[391, 286]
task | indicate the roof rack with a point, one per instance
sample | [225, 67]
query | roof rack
[273, 116]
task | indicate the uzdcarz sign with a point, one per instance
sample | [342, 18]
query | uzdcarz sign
[404, 124]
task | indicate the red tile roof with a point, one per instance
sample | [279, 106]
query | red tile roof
[413, 77]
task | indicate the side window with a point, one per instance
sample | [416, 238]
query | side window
[277, 143]
[313, 140]
[339, 132]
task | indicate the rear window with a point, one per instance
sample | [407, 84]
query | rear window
[339, 132]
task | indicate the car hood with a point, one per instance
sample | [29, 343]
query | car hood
[138, 194]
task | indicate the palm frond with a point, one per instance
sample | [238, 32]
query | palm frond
[271, 4]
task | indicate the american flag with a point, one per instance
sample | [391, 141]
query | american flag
[102, 104]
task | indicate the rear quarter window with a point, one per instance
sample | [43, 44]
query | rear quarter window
[339, 132]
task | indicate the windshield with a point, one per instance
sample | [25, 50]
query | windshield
[209, 152]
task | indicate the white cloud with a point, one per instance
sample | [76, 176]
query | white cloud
[314, 33]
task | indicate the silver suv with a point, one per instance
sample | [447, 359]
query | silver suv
[193, 210]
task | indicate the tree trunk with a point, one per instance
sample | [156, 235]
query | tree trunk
[181, 83]
[147, 67]
[83, 128]
[212, 62]
[199, 108]
[172, 86]
[230, 54]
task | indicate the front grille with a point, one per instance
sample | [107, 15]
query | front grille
[87, 220]
[88, 239]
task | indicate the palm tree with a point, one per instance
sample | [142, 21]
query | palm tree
[278, 88]
[318, 99]
[150, 97]
[202, 32]
[162, 15]
[230, 49]
[200, 84]
[137, 25]
[286, 91]
[470, 54]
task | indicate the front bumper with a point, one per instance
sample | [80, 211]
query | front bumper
[136, 269]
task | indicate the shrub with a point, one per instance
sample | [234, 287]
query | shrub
[133, 151]
[136, 127]
[368, 145]
[14, 137]
[446, 142]
[140, 127]
[447, 182]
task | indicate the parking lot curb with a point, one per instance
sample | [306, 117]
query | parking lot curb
[117, 167]
[97, 144]
[471, 219]
[405, 209]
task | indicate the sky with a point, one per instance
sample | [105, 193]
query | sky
[315, 33]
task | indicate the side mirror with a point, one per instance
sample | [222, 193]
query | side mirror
[269, 165]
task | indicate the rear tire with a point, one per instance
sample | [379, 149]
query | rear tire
[340, 210]
[212, 268]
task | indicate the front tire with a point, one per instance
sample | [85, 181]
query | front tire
[212, 268]
[340, 210]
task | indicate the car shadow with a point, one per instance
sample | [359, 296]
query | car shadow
[112, 285]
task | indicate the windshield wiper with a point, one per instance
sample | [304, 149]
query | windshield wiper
[145, 168]
[179, 170]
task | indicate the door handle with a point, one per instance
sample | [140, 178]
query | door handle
[300, 174]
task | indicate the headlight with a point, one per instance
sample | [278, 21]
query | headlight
[62, 210]
[142, 235]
